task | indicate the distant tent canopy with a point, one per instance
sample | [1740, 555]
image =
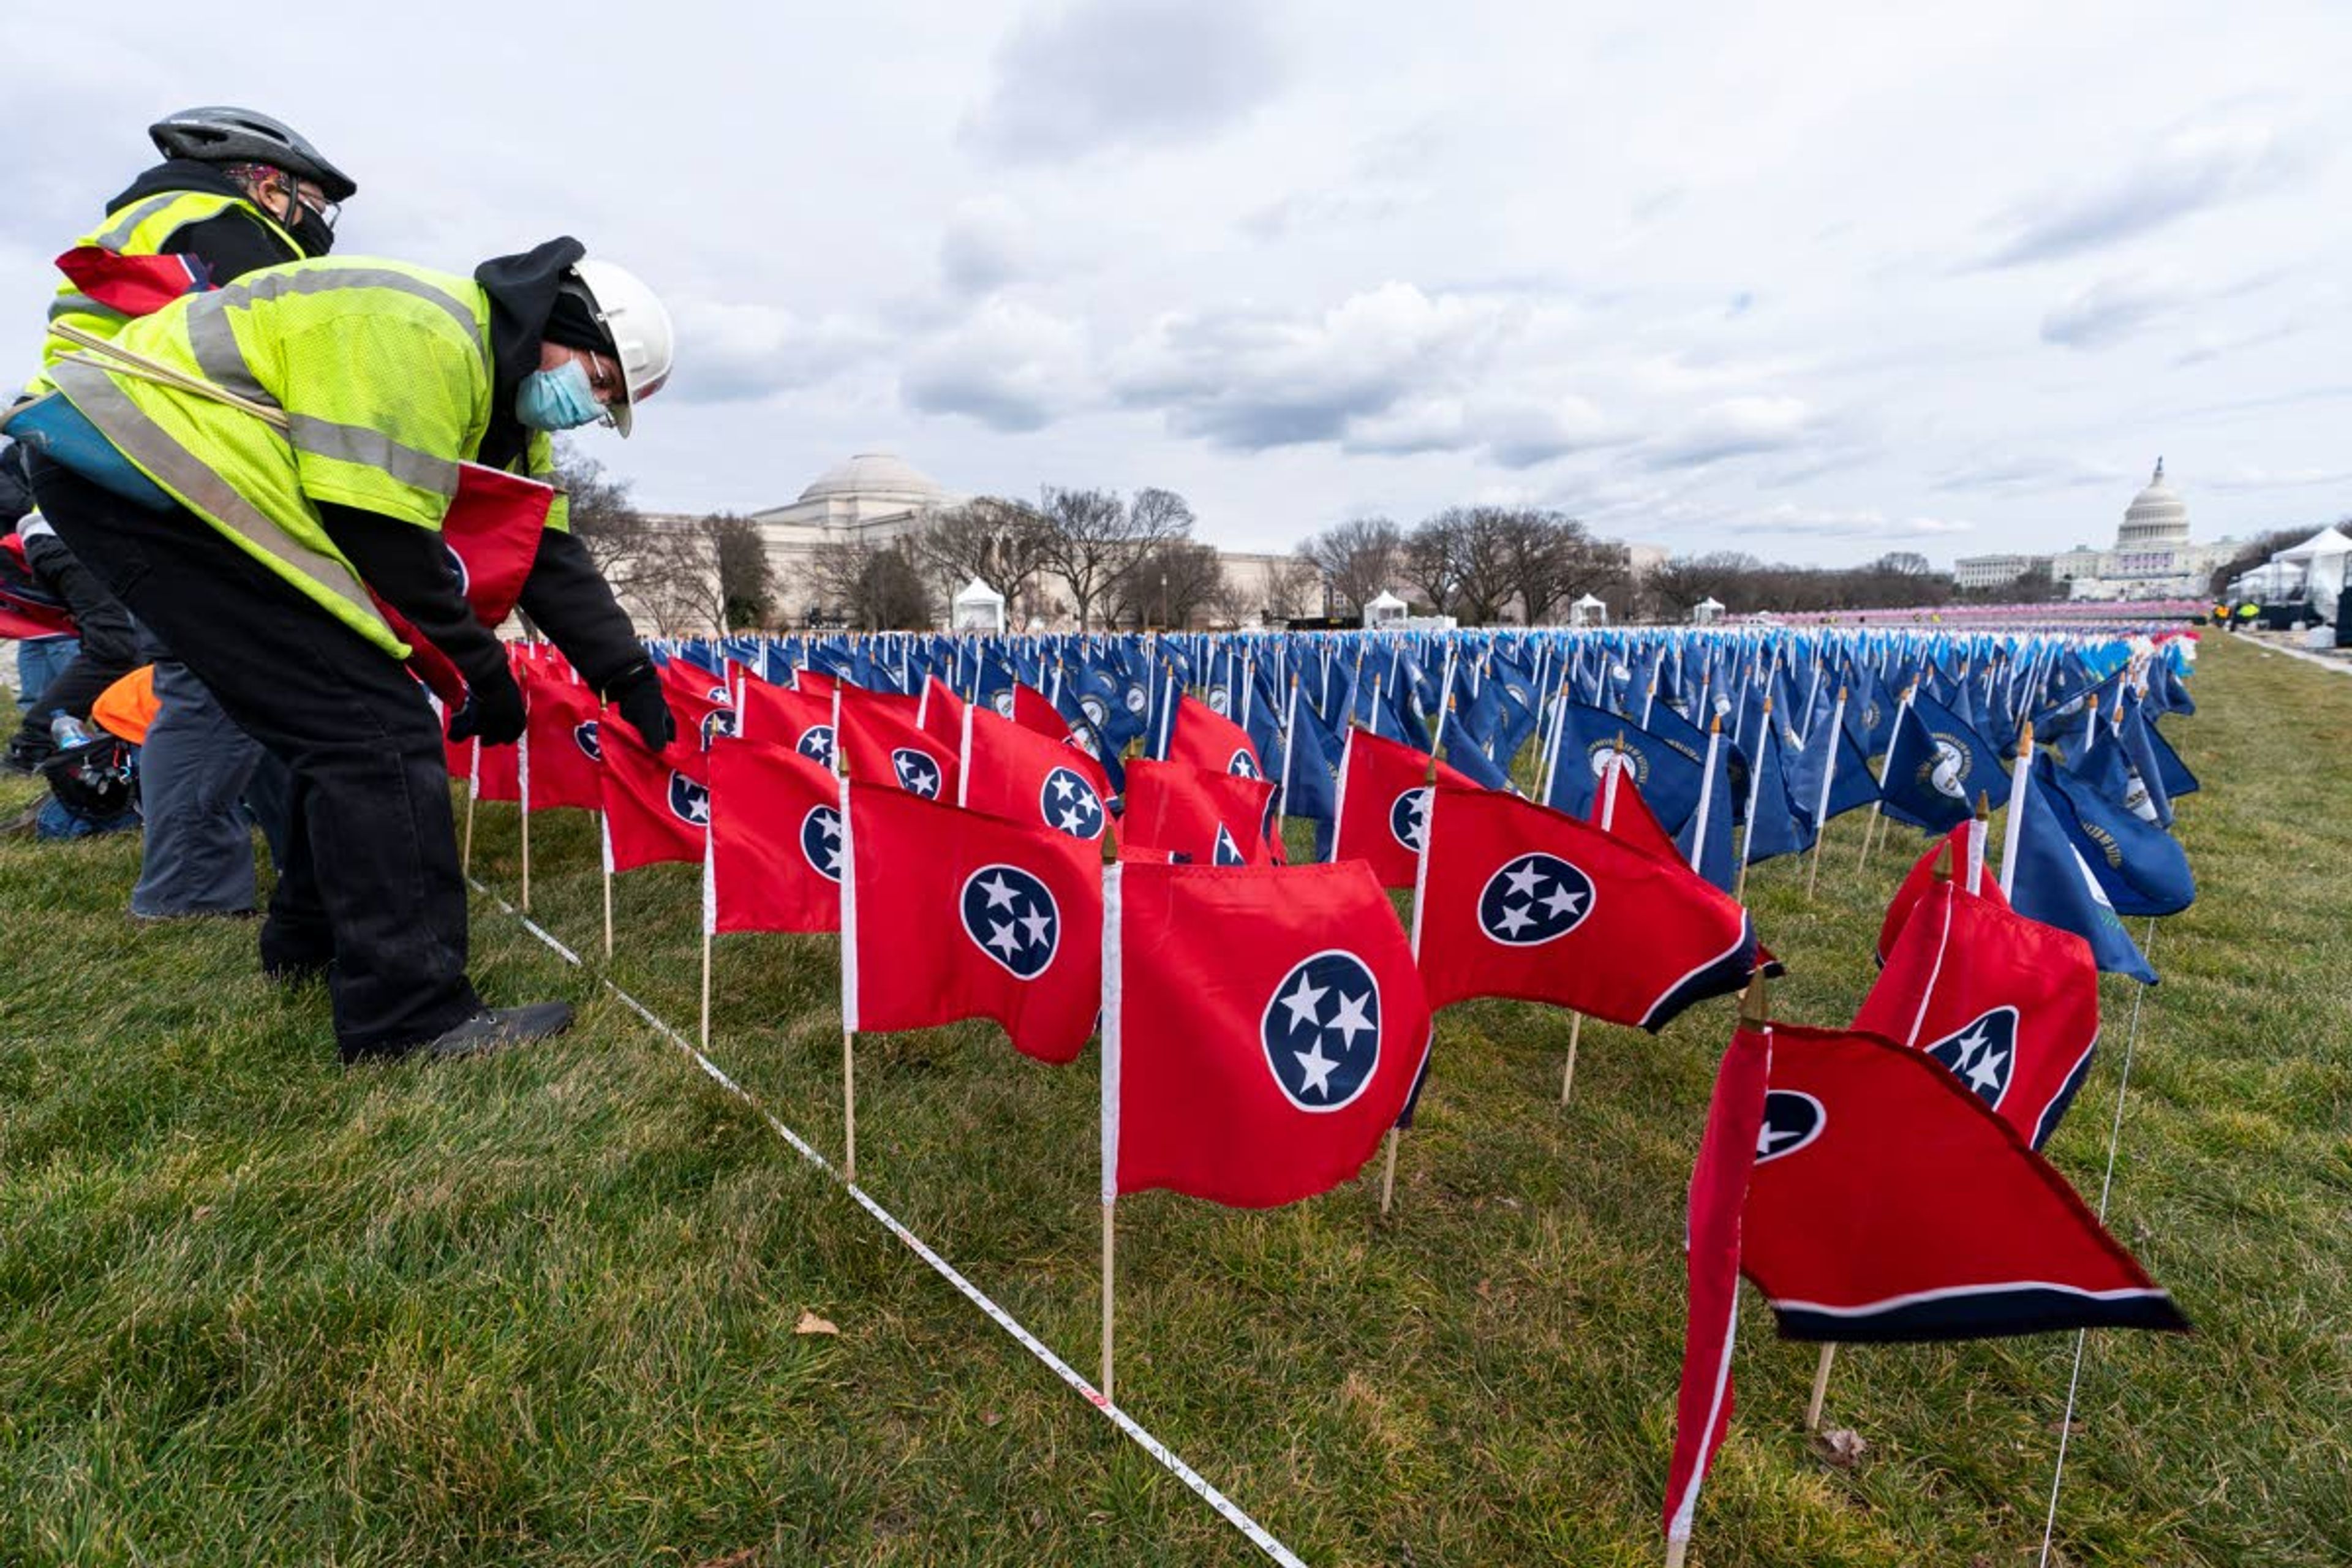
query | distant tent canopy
[2322, 560]
[979, 608]
[1706, 612]
[1588, 611]
[1386, 610]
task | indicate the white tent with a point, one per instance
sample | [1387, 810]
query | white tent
[979, 608]
[1589, 611]
[1388, 610]
[2322, 559]
[1706, 612]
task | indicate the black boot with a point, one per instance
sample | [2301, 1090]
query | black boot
[494, 1028]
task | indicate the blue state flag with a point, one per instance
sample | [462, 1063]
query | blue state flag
[1936, 767]
[2143, 868]
[1669, 777]
[2052, 883]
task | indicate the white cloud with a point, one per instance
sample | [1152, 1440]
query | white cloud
[1012, 367]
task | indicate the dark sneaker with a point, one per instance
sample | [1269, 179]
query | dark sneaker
[495, 1028]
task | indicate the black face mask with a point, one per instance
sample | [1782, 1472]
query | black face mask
[312, 232]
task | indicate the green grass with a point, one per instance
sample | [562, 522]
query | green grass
[540, 1310]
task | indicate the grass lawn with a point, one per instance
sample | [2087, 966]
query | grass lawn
[541, 1310]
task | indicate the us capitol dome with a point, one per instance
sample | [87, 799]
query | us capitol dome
[2152, 558]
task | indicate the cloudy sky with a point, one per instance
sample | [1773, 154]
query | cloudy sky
[1811, 281]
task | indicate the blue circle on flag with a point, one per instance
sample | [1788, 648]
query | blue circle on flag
[688, 801]
[821, 841]
[816, 740]
[1227, 852]
[1242, 766]
[1984, 1054]
[1408, 818]
[584, 736]
[1092, 707]
[1069, 803]
[1534, 898]
[1010, 916]
[917, 771]
[716, 723]
[1321, 1031]
[1792, 1119]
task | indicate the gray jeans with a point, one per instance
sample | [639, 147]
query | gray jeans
[194, 772]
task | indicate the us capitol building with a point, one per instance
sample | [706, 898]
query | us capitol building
[2153, 557]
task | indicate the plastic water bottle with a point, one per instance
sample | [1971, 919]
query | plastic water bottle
[68, 732]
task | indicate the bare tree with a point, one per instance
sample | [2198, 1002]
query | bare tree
[871, 588]
[1293, 587]
[998, 541]
[1432, 559]
[1358, 558]
[676, 585]
[1169, 584]
[602, 518]
[1093, 539]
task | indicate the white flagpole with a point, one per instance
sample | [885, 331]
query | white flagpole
[473, 790]
[604, 838]
[849, 970]
[1821, 807]
[2014, 830]
[1420, 891]
[1608, 823]
[1706, 793]
[523, 771]
[710, 914]
[1113, 877]
[1755, 793]
[1870, 829]
[1289, 745]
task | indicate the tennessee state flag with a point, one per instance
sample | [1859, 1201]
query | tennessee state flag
[1207, 819]
[1033, 709]
[1522, 901]
[949, 914]
[781, 716]
[1263, 1028]
[1383, 806]
[498, 773]
[882, 744]
[656, 805]
[2008, 1005]
[1205, 738]
[939, 712]
[1888, 1203]
[1014, 772]
[1619, 807]
[560, 725]
[1964, 846]
[776, 844]
[704, 703]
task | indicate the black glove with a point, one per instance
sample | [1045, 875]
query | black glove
[492, 710]
[637, 693]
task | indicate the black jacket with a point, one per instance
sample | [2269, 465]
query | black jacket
[230, 245]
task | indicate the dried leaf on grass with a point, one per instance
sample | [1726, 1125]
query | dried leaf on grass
[811, 1323]
[1841, 1446]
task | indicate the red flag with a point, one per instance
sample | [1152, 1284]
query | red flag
[882, 743]
[1263, 1028]
[1522, 901]
[2008, 1005]
[1625, 814]
[1888, 1203]
[1209, 819]
[655, 805]
[1384, 805]
[1207, 739]
[949, 914]
[1956, 844]
[1718, 1186]
[780, 716]
[939, 712]
[559, 724]
[498, 773]
[703, 703]
[775, 840]
[1032, 709]
[132, 285]
[1014, 772]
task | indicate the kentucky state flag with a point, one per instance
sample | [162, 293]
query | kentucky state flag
[2052, 884]
[1590, 738]
[1263, 1028]
[1936, 767]
[2008, 1005]
[776, 844]
[949, 914]
[1889, 1203]
[1520, 900]
[2143, 868]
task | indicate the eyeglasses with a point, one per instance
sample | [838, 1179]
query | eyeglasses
[315, 199]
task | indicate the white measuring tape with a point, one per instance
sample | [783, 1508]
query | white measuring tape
[1256, 1534]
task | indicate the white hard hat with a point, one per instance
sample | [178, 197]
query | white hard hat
[643, 339]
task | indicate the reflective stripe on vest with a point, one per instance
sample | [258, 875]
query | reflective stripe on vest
[193, 482]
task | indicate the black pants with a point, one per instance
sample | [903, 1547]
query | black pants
[108, 640]
[369, 884]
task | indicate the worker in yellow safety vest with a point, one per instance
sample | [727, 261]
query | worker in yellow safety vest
[301, 432]
[237, 191]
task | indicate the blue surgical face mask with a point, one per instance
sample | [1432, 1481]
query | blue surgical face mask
[558, 399]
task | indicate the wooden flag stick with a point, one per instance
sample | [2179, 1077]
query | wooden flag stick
[1869, 831]
[1388, 1173]
[1568, 1074]
[1676, 1551]
[1814, 873]
[465, 856]
[1820, 1390]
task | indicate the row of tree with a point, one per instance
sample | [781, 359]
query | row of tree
[1481, 564]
